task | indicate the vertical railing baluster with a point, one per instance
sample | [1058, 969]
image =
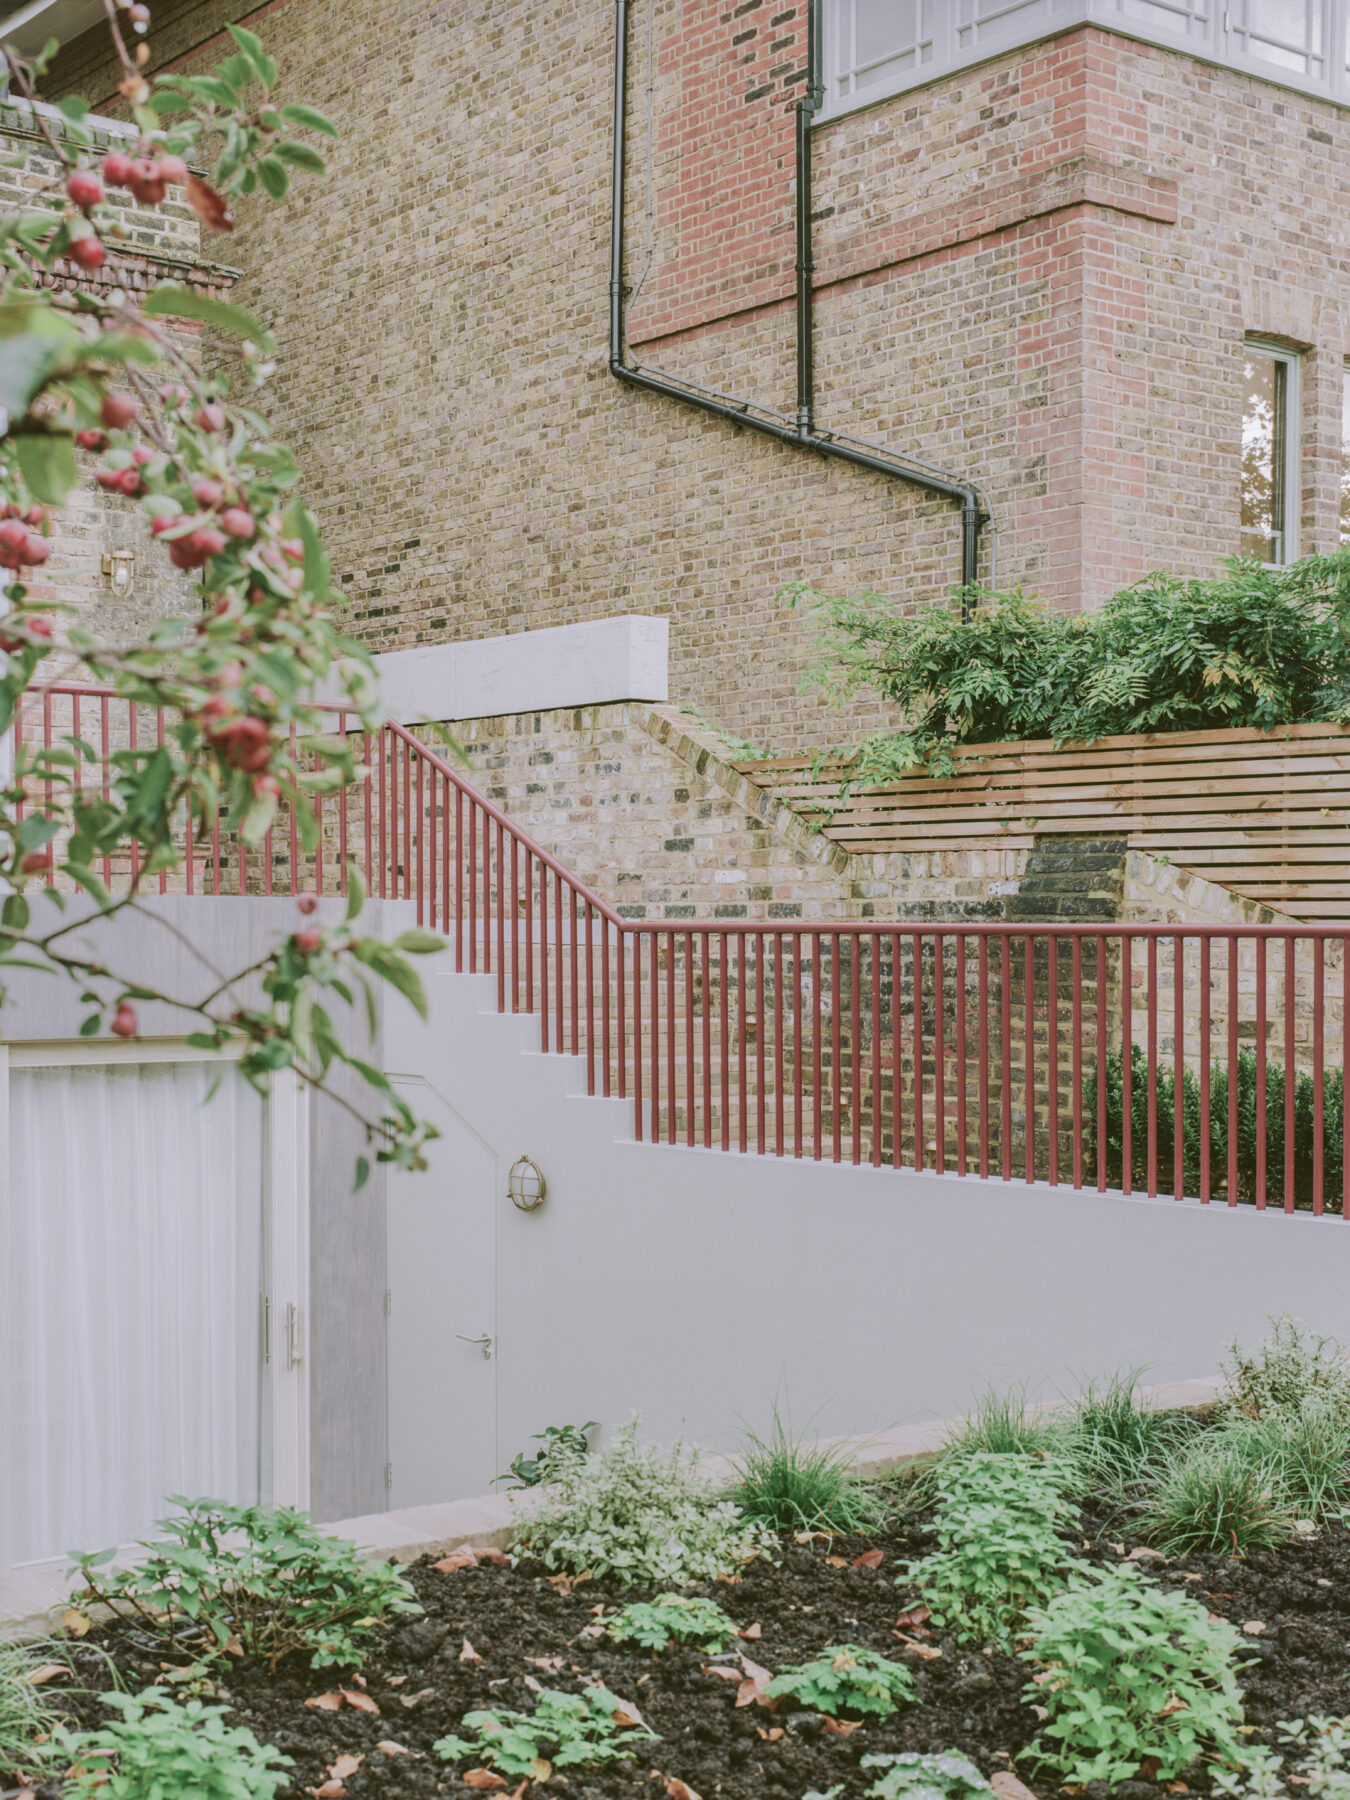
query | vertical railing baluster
[939, 1057]
[897, 1051]
[1319, 1077]
[1290, 1052]
[856, 1038]
[590, 995]
[1005, 1027]
[1126, 1065]
[637, 1033]
[1029, 1049]
[543, 944]
[707, 1040]
[1206, 977]
[574, 958]
[1261, 1170]
[760, 1097]
[1052, 1048]
[742, 1076]
[916, 969]
[960, 979]
[724, 1047]
[559, 1013]
[874, 948]
[690, 1122]
[1233, 1066]
[1101, 1064]
[984, 1054]
[607, 1086]
[672, 1107]
[515, 926]
[778, 1061]
[1179, 1068]
[621, 1007]
[817, 982]
[1076, 1076]
[838, 1082]
[654, 1011]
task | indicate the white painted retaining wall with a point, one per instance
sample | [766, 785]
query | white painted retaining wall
[695, 1286]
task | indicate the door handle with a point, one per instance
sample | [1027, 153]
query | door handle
[484, 1342]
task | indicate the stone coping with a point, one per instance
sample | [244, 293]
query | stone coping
[30, 1598]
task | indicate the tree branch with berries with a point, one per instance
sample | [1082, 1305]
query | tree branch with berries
[84, 368]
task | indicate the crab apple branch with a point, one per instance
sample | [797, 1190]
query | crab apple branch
[84, 369]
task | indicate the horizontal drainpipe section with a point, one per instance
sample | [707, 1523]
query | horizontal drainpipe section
[801, 431]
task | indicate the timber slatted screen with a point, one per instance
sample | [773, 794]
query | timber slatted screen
[1266, 815]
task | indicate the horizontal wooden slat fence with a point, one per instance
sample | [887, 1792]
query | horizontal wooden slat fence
[1198, 1062]
[1266, 815]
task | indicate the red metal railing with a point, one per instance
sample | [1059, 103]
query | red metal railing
[1196, 1061]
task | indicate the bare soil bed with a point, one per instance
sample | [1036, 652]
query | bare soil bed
[491, 1632]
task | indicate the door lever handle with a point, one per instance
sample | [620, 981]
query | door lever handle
[484, 1342]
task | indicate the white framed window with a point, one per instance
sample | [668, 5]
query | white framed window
[873, 48]
[153, 1262]
[1268, 507]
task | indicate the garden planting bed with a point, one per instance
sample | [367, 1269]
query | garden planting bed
[492, 1635]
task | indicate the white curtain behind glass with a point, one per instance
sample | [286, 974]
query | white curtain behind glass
[134, 1295]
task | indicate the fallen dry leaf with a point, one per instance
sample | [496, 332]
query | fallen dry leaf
[1007, 1786]
[627, 1715]
[533, 1685]
[597, 1612]
[752, 1632]
[592, 1631]
[1186, 1577]
[752, 1688]
[412, 1701]
[726, 1674]
[1177, 1787]
[1041, 1712]
[836, 1562]
[346, 1765]
[362, 1702]
[326, 1702]
[457, 1559]
[1144, 1554]
[807, 1537]
[468, 1654]
[233, 1647]
[540, 1770]
[389, 1748]
[1148, 1769]
[549, 1664]
[49, 1671]
[730, 1580]
[563, 1583]
[929, 1652]
[331, 1790]
[1175, 1704]
[870, 1559]
[1118, 1548]
[75, 1622]
[1254, 1627]
[489, 1553]
[485, 1779]
[680, 1790]
[917, 1615]
[839, 1727]
[208, 205]
[394, 1680]
[770, 1733]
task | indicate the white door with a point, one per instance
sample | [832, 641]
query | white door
[442, 1314]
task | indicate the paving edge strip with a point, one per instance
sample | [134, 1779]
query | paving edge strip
[29, 1597]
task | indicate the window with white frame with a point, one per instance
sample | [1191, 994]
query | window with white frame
[873, 48]
[1269, 482]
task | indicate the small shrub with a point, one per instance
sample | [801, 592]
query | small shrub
[1291, 1369]
[912, 1776]
[560, 1442]
[654, 1624]
[589, 1730]
[163, 1747]
[1218, 1494]
[792, 1486]
[284, 1588]
[845, 1678]
[1306, 1458]
[998, 1550]
[651, 1518]
[1129, 1671]
[1118, 1443]
[1320, 1763]
[1004, 1424]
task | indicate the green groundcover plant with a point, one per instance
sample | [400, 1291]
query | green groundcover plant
[1128, 1672]
[792, 1485]
[1318, 1763]
[29, 1714]
[259, 1579]
[647, 1516]
[845, 1678]
[1253, 646]
[998, 1549]
[590, 1730]
[1291, 1369]
[164, 1749]
[653, 1624]
[910, 1775]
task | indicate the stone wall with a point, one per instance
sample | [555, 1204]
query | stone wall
[1037, 271]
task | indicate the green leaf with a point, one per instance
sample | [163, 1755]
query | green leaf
[73, 107]
[172, 300]
[419, 943]
[274, 177]
[391, 967]
[14, 914]
[310, 118]
[48, 465]
[208, 87]
[34, 341]
[300, 156]
[238, 72]
[263, 66]
[318, 575]
[370, 1074]
[36, 830]
[362, 1173]
[164, 104]
[356, 889]
[89, 1027]
[91, 883]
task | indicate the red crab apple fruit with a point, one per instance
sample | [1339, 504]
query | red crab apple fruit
[117, 167]
[84, 188]
[207, 493]
[146, 182]
[87, 252]
[124, 1021]
[307, 942]
[91, 440]
[173, 170]
[237, 522]
[211, 417]
[35, 550]
[244, 743]
[308, 903]
[37, 862]
[118, 410]
[13, 535]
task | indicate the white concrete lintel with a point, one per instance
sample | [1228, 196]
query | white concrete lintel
[591, 664]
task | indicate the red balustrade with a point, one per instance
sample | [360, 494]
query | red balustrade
[1120, 1056]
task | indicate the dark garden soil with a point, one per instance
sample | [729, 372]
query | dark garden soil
[491, 1632]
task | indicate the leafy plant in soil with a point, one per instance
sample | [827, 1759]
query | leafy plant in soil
[558, 1440]
[260, 1580]
[1320, 1763]
[164, 1749]
[1117, 1443]
[29, 1712]
[1305, 1457]
[1218, 1494]
[794, 1486]
[909, 1775]
[846, 1679]
[1004, 1424]
[1290, 1370]
[564, 1731]
[647, 1517]
[1131, 1675]
[998, 1551]
[653, 1624]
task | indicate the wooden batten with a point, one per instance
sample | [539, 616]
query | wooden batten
[1264, 814]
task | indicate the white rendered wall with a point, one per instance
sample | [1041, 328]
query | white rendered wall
[696, 1287]
[530, 671]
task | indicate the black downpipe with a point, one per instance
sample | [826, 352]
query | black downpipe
[974, 512]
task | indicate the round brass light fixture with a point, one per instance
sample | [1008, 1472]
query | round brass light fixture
[526, 1185]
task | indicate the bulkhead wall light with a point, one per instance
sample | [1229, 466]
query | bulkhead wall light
[526, 1185]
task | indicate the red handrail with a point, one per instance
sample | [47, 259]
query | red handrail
[1116, 1055]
